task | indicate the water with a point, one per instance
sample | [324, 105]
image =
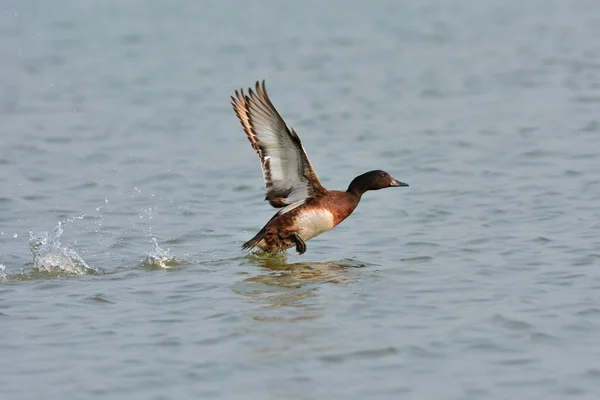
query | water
[127, 187]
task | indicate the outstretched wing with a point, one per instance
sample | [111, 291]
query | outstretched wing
[289, 176]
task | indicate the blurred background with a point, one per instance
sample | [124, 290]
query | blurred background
[127, 186]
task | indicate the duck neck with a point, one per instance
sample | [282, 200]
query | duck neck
[357, 188]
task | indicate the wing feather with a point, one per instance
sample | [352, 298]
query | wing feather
[288, 174]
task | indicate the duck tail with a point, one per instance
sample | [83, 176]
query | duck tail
[254, 241]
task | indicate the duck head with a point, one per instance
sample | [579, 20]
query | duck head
[373, 180]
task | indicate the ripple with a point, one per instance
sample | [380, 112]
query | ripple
[59, 139]
[359, 355]
[34, 197]
[510, 323]
[423, 244]
[542, 337]
[589, 259]
[592, 126]
[593, 373]
[587, 99]
[86, 185]
[590, 311]
[517, 361]
[417, 260]
[489, 345]
[99, 298]
[217, 339]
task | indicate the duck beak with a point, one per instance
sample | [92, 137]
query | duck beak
[396, 183]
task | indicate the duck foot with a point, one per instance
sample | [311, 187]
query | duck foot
[300, 243]
[294, 237]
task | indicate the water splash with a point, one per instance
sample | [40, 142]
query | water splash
[49, 255]
[3, 277]
[160, 258]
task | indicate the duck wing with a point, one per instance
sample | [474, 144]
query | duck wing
[289, 175]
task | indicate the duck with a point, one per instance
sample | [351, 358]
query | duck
[307, 208]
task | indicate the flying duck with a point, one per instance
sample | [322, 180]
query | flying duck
[307, 209]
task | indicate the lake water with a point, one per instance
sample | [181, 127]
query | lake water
[127, 187]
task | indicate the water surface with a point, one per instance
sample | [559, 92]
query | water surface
[127, 187]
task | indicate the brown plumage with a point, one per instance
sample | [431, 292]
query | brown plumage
[274, 235]
[291, 182]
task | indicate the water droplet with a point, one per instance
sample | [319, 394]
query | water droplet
[15, 235]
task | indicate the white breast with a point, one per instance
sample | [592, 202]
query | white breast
[314, 222]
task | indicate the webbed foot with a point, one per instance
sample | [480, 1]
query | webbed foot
[300, 243]
[295, 237]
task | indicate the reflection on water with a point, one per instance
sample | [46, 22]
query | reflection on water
[281, 273]
[290, 285]
[288, 293]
